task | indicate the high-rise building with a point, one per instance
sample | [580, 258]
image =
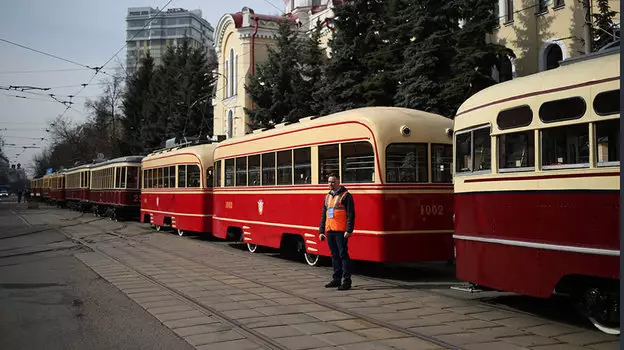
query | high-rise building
[167, 28]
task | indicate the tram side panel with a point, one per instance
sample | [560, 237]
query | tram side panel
[540, 236]
[388, 228]
[185, 211]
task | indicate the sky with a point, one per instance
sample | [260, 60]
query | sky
[88, 32]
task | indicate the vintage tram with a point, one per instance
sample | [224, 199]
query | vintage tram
[114, 188]
[177, 187]
[56, 189]
[270, 184]
[77, 187]
[537, 181]
[36, 187]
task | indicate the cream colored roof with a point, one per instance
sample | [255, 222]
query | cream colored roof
[384, 122]
[595, 69]
[203, 152]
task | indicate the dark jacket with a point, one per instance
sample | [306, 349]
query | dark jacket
[349, 207]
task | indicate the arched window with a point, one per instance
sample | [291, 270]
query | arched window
[230, 124]
[553, 56]
[231, 77]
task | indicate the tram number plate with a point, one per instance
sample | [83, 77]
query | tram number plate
[433, 209]
[229, 205]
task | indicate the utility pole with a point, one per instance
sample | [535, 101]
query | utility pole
[587, 27]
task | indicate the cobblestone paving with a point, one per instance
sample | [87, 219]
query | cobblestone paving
[218, 297]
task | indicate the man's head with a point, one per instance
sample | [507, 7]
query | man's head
[334, 182]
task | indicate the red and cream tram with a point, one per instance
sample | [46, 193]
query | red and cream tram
[36, 186]
[270, 185]
[57, 188]
[177, 188]
[537, 184]
[77, 187]
[114, 189]
[45, 187]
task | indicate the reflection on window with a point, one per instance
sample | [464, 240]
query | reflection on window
[328, 162]
[181, 176]
[254, 170]
[358, 162]
[122, 181]
[565, 145]
[303, 167]
[608, 141]
[172, 176]
[406, 162]
[133, 177]
[473, 150]
[209, 176]
[229, 172]
[193, 176]
[441, 160]
[268, 169]
[217, 178]
[284, 167]
[241, 171]
[607, 102]
[516, 150]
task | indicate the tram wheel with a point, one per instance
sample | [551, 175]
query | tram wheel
[180, 233]
[252, 247]
[312, 259]
[602, 309]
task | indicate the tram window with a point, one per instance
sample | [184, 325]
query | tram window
[514, 117]
[284, 167]
[516, 150]
[217, 177]
[464, 155]
[268, 169]
[209, 176]
[181, 176]
[241, 171]
[133, 177]
[328, 162]
[166, 177]
[474, 150]
[229, 172]
[303, 166]
[406, 163]
[565, 145]
[193, 176]
[608, 141]
[172, 176]
[117, 177]
[160, 177]
[254, 170]
[564, 109]
[607, 102]
[122, 182]
[441, 160]
[358, 162]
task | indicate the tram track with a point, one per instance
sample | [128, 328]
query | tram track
[328, 305]
[246, 331]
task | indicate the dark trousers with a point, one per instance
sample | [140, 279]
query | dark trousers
[341, 262]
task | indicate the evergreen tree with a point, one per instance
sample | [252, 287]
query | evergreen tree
[472, 65]
[272, 89]
[603, 25]
[428, 57]
[312, 60]
[351, 77]
[136, 107]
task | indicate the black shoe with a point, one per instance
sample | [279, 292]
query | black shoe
[333, 284]
[345, 286]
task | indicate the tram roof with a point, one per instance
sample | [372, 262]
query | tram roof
[126, 159]
[378, 118]
[202, 151]
[584, 69]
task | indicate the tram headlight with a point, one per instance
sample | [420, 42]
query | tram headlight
[405, 130]
[449, 132]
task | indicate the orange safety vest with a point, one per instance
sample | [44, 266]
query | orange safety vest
[338, 222]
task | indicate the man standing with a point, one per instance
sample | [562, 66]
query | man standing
[337, 221]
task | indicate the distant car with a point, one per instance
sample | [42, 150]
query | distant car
[4, 193]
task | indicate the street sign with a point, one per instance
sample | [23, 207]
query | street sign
[49, 171]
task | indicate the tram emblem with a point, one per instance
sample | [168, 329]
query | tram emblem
[260, 206]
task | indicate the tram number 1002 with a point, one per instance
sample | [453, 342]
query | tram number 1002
[433, 209]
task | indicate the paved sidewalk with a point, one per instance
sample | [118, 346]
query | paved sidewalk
[218, 297]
